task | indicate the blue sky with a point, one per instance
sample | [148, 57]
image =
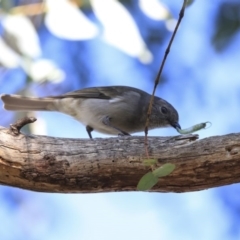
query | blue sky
[201, 83]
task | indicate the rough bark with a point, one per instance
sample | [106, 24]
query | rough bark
[48, 164]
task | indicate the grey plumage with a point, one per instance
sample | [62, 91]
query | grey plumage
[111, 110]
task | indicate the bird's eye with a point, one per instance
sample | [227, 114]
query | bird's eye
[164, 110]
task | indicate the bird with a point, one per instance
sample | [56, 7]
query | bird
[113, 110]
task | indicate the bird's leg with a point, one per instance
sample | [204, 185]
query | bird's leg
[106, 121]
[89, 130]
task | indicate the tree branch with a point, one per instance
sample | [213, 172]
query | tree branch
[50, 164]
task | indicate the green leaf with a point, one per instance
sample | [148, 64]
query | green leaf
[164, 170]
[147, 182]
[149, 162]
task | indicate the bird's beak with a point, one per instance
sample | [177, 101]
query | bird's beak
[176, 125]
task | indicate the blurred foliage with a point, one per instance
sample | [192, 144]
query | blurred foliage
[6, 4]
[151, 32]
[227, 24]
[190, 2]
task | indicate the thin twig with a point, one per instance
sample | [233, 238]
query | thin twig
[181, 14]
[16, 127]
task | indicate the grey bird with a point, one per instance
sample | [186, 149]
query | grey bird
[114, 110]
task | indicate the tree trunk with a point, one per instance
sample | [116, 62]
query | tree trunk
[48, 164]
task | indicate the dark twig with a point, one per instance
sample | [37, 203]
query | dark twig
[16, 127]
[181, 14]
[189, 137]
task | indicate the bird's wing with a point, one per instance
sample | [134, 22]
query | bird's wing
[102, 92]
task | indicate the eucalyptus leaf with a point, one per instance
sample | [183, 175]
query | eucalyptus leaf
[164, 170]
[147, 182]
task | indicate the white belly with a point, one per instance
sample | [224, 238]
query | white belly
[90, 112]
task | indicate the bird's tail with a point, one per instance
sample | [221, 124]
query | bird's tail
[20, 103]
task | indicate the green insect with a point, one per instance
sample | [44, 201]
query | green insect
[194, 128]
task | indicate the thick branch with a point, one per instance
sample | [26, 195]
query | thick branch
[50, 164]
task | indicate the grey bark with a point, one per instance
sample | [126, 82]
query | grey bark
[48, 164]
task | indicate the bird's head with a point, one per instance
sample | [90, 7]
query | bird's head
[164, 114]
